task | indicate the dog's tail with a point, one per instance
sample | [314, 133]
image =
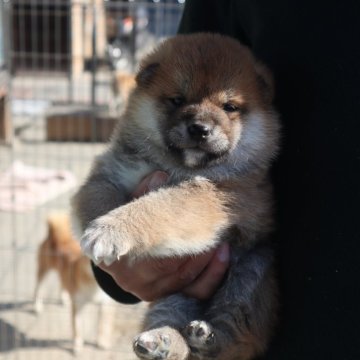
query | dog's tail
[60, 237]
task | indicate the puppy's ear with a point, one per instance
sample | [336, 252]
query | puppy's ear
[266, 82]
[146, 73]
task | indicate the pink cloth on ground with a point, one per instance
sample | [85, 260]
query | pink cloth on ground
[23, 187]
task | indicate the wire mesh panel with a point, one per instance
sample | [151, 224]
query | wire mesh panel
[63, 65]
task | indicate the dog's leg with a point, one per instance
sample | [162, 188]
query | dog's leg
[180, 220]
[106, 317]
[242, 314]
[162, 337]
[65, 298]
[78, 342]
[41, 272]
[38, 301]
[79, 299]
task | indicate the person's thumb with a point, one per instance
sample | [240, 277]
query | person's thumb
[151, 182]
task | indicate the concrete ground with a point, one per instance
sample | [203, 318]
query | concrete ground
[24, 335]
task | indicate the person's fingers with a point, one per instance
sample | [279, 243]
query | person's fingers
[151, 279]
[205, 285]
[144, 279]
[183, 277]
[150, 182]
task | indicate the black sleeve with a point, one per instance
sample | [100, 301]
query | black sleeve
[215, 16]
[194, 19]
[107, 283]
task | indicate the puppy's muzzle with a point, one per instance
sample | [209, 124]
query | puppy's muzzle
[199, 132]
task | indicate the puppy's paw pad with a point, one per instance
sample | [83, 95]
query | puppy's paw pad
[102, 241]
[152, 345]
[199, 333]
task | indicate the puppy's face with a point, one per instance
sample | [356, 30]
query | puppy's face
[198, 94]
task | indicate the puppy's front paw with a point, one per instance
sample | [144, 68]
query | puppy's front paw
[102, 240]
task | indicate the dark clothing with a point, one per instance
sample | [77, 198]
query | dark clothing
[108, 284]
[312, 48]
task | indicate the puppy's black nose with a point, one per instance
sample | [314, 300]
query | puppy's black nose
[198, 131]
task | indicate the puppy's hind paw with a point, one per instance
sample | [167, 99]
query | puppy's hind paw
[102, 241]
[199, 335]
[160, 344]
[152, 345]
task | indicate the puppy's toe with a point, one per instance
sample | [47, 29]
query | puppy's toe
[103, 242]
[152, 345]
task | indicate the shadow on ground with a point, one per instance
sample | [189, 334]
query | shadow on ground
[13, 339]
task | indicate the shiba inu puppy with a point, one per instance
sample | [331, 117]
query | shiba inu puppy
[202, 112]
[60, 252]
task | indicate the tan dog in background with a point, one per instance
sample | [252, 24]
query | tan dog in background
[122, 84]
[202, 112]
[62, 253]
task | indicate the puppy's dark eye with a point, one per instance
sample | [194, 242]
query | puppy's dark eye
[176, 101]
[229, 107]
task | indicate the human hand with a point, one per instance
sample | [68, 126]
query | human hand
[150, 279]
